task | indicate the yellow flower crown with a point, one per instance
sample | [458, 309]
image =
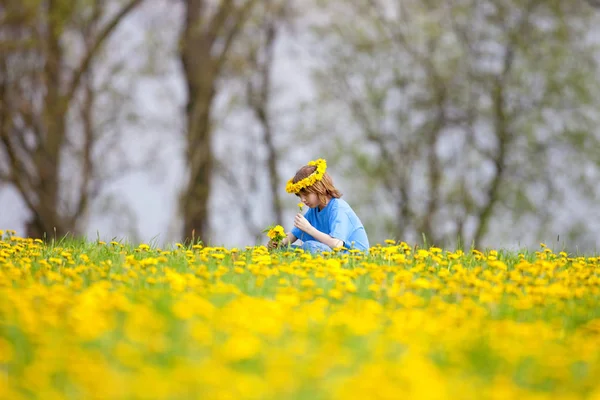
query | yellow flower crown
[316, 176]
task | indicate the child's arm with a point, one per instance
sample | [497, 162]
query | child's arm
[302, 223]
[289, 239]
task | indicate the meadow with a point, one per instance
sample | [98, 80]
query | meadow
[95, 320]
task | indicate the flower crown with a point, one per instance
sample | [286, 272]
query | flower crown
[316, 176]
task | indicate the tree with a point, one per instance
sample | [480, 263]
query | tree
[48, 50]
[253, 109]
[259, 92]
[206, 39]
[466, 113]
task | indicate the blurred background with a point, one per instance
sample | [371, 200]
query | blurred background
[465, 122]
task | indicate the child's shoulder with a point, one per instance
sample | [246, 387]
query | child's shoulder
[341, 204]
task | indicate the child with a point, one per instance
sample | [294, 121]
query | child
[330, 222]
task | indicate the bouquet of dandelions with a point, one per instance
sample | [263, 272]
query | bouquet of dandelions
[276, 234]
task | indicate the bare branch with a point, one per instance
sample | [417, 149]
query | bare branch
[93, 50]
[594, 3]
[501, 125]
[241, 16]
[87, 162]
[18, 175]
[259, 99]
[240, 195]
[218, 20]
[434, 165]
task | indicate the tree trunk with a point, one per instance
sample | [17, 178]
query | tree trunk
[198, 68]
[47, 220]
[200, 161]
[205, 43]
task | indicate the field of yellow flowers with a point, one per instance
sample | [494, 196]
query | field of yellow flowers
[94, 320]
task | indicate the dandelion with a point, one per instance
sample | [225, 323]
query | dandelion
[300, 206]
[380, 325]
[275, 233]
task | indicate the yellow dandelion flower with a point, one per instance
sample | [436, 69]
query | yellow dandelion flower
[276, 233]
[335, 294]
[321, 167]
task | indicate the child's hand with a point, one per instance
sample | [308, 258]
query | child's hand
[272, 245]
[302, 223]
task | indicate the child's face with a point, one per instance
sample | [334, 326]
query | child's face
[310, 199]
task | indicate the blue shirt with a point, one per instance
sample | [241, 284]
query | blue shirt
[339, 221]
